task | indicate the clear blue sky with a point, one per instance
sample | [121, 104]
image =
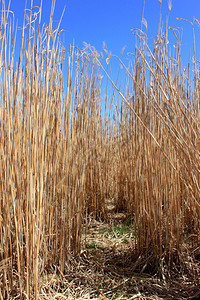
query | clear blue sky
[111, 21]
[95, 21]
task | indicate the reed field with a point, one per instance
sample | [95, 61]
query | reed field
[69, 151]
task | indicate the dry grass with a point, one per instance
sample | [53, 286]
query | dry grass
[63, 158]
[107, 268]
[51, 155]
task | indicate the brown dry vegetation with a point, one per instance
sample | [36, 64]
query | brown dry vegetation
[63, 157]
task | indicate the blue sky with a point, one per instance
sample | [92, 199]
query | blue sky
[111, 21]
[95, 21]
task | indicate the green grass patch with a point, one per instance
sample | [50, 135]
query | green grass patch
[93, 245]
[126, 229]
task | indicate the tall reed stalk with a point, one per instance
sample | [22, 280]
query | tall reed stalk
[158, 152]
[52, 153]
[63, 154]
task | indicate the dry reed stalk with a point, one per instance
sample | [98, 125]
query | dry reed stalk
[52, 155]
[158, 158]
[61, 158]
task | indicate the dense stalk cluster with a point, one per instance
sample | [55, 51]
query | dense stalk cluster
[63, 155]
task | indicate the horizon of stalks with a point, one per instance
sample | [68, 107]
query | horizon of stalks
[63, 154]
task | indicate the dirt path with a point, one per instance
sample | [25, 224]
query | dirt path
[106, 268]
